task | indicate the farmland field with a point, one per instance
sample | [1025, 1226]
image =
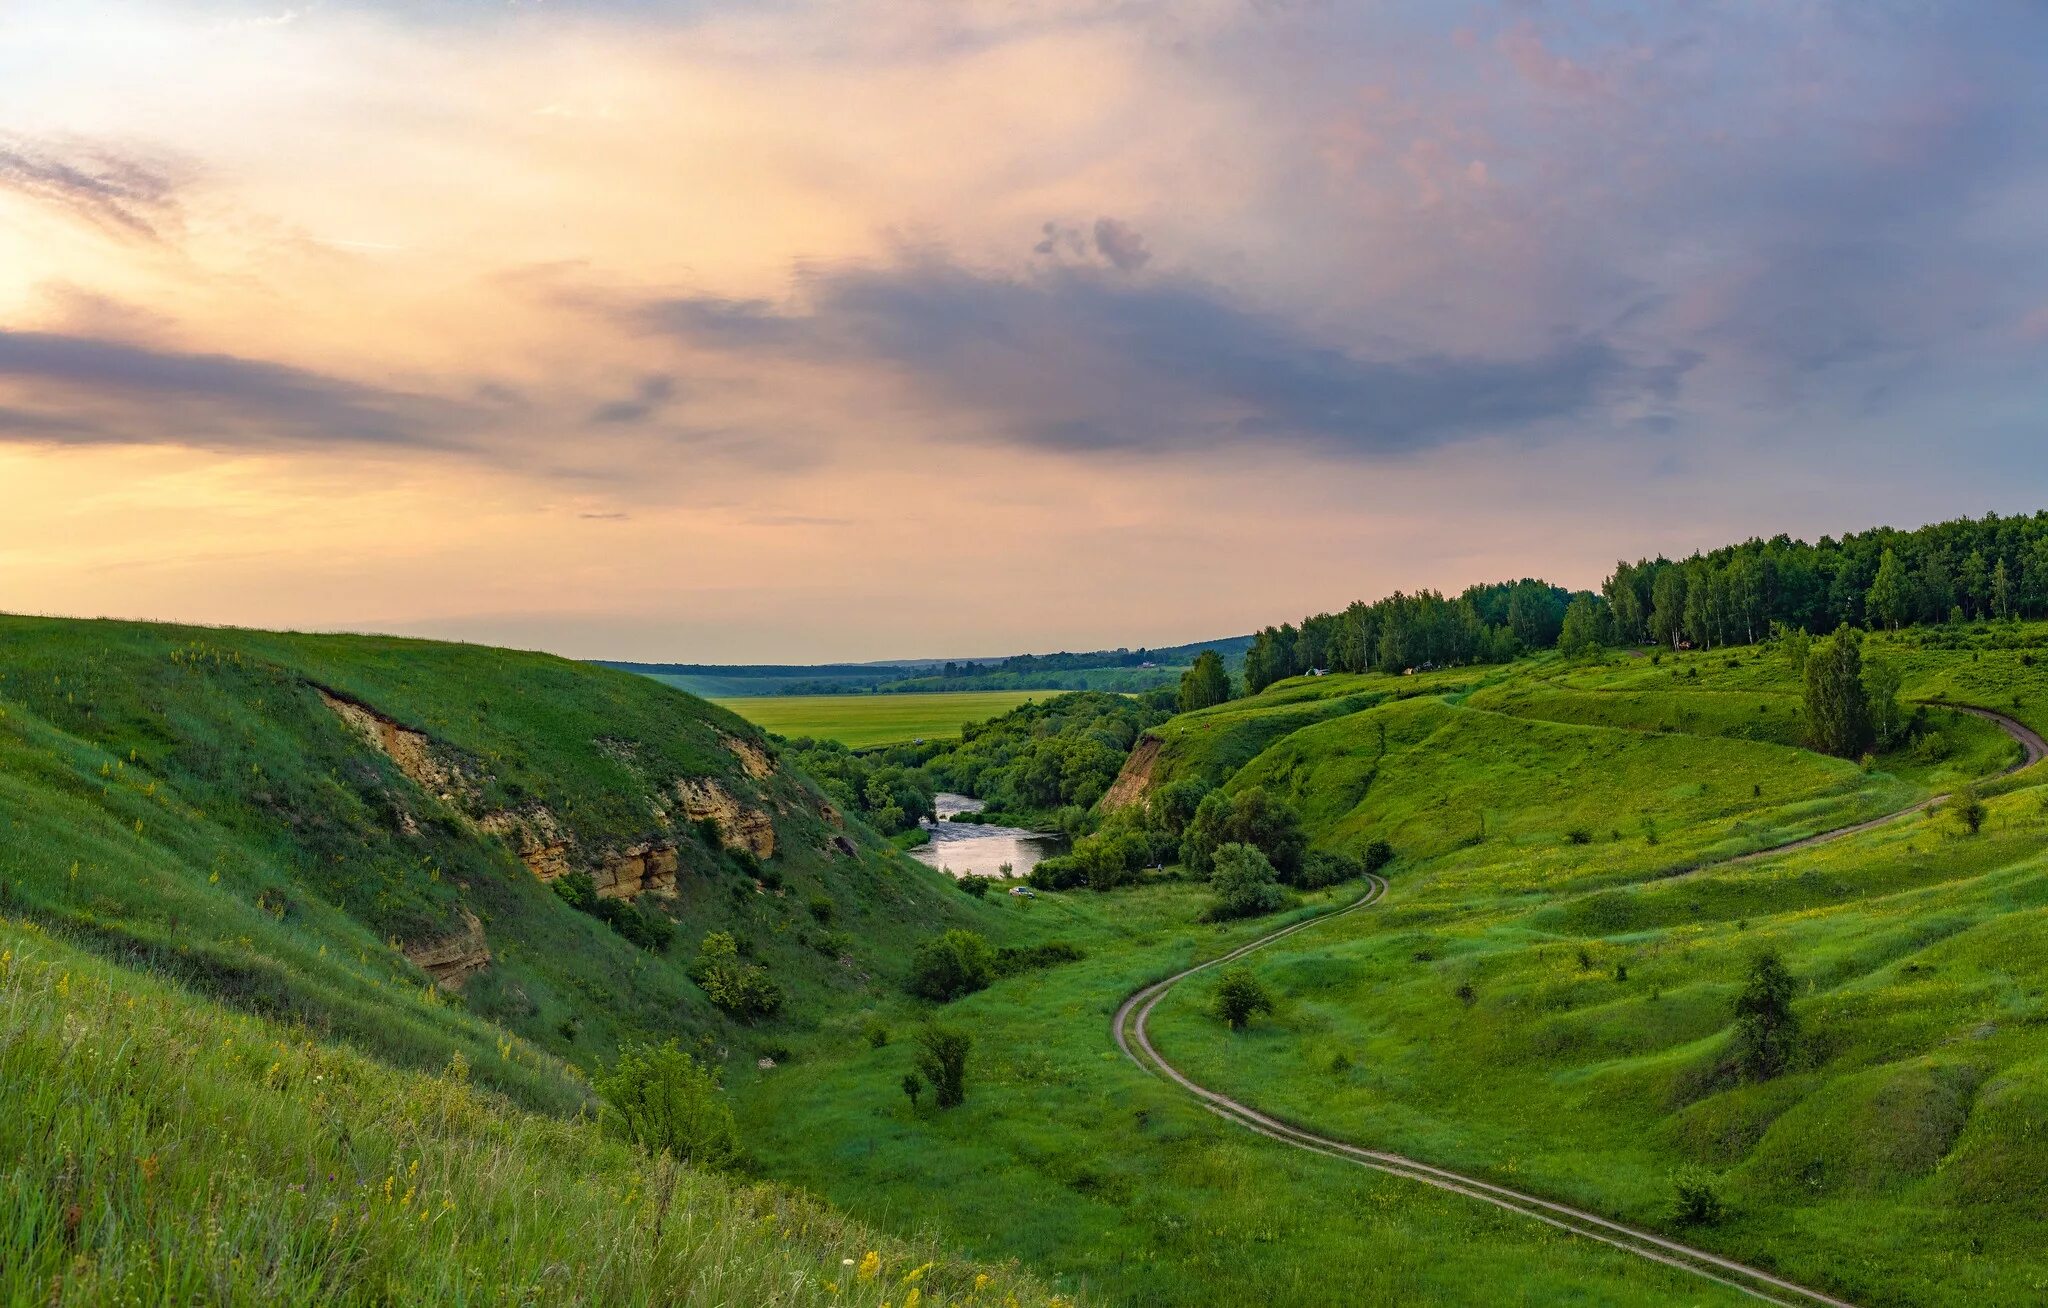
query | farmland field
[861, 720]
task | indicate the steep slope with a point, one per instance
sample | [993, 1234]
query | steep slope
[159, 1148]
[365, 834]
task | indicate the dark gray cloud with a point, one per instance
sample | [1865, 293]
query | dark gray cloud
[1121, 244]
[82, 389]
[1080, 358]
[127, 195]
[650, 397]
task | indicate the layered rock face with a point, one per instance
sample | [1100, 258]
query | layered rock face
[453, 959]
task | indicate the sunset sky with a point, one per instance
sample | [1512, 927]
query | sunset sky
[796, 331]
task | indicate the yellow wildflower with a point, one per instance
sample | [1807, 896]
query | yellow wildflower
[870, 1266]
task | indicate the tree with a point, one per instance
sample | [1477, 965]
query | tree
[1244, 884]
[948, 966]
[1890, 598]
[1766, 1029]
[1881, 682]
[1249, 817]
[942, 1058]
[1794, 644]
[1581, 633]
[1976, 583]
[663, 1100]
[1239, 997]
[1203, 684]
[913, 1086]
[1667, 605]
[1837, 706]
[2001, 591]
[1967, 807]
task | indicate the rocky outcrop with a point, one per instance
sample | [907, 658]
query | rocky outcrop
[648, 869]
[739, 827]
[751, 756]
[542, 843]
[453, 959]
[425, 764]
[1135, 779]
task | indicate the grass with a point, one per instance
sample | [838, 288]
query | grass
[858, 721]
[207, 883]
[159, 1149]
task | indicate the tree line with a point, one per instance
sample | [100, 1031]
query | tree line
[1486, 624]
[1989, 567]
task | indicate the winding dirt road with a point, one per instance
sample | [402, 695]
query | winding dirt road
[1129, 1029]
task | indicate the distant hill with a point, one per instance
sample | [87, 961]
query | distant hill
[1116, 670]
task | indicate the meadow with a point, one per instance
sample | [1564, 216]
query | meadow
[858, 721]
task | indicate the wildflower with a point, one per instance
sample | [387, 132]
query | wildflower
[870, 1266]
[911, 1300]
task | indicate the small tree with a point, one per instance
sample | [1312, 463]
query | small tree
[742, 989]
[1766, 1029]
[942, 1057]
[1239, 997]
[951, 965]
[1881, 682]
[665, 1101]
[1967, 807]
[913, 1086]
[1837, 705]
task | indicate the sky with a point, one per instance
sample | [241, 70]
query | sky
[805, 330]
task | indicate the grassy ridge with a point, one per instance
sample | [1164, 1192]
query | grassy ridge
[184, 797]
[858, 721]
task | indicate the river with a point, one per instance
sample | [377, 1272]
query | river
[973, 849]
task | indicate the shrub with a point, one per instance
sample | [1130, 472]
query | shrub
[1694, 1201]
[1239, 997]
[1579, 836]
[822, 908]
[1377, 855]
[665, 1101]
[1011, 960]
[942, 1057]
[646, 927]
[913, 1086]
[1244, 884]
[1966, 807]
[1327, 868]
[974, 887]
[1766, 1029]
[948, 966]
[874, 1031]
[743, 990]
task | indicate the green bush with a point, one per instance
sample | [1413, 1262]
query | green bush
[1694, 1200]
[665, 1101]
[1239, 996]
[1011, 959]
[942, 1058]
[948, 966]
[1766, 1029]
[742, 989]
[1244, 883]
[974, 887]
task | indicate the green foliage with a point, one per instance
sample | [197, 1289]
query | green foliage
[1013, 959]
[1766, 1028]
[1045, 756]
[1966, 806]
[950, 965]
[974, 887]
[1203, 684]
[913, 1086]
[1837, 703]
[1695, 1200]
[665, 1101]
[1239, 997]
[942, 1058]
[1586, 627]
[646, 927]
[742, 989]
[1244, 884]
[1249, 817]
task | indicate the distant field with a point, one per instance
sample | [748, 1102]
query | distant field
[860, 720]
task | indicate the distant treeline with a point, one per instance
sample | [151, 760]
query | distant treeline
[1118, 671]
[1486, 624]
[1970, 568]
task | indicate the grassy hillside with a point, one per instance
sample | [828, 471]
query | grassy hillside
[219, 804]
[158, 1148]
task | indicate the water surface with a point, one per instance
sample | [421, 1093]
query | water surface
[974, 849]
